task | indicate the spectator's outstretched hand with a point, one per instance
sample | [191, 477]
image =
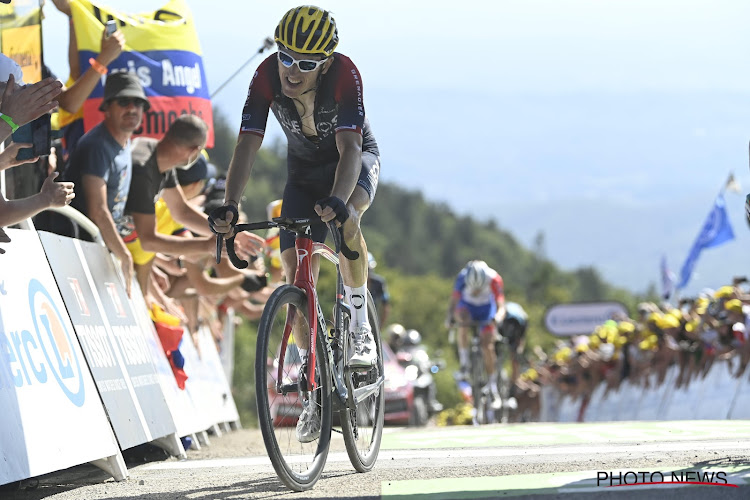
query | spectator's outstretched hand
[57, 194]
[111, 47]
[8, 156]
[30, 102]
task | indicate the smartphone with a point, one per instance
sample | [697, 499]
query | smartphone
[38, 133]
[110, 27]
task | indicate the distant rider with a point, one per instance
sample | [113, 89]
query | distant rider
[478, 296]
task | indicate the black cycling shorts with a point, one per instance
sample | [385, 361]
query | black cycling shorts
[307, 185]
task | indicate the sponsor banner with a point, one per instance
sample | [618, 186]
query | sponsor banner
[189, 418]
[112, 343]
[214, 374]
[580, 318]
[130, 337]
[162, 49]
[226, 346]
[21, 38]
[51, 417]
[200, 384]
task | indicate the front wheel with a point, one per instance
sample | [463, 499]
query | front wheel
[280, 397]
[362, 425]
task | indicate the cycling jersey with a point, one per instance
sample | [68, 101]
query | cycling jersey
[338, 106]
[312, 161]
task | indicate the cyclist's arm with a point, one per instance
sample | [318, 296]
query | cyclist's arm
[349, 144]
[239, 168]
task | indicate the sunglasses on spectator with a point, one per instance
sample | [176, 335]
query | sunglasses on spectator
[124, 102]
[304, 65]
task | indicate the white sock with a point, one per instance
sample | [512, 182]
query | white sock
[357, 298]
[463, 357]
[303, 354]
[493, 384]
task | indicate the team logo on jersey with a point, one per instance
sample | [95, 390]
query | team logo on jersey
[56, 342]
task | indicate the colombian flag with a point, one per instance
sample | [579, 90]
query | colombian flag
[162, 49]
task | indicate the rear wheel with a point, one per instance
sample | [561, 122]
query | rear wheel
[280, 400]
[362, 425]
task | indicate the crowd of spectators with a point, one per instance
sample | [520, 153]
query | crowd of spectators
[148, 198]
[691, 335]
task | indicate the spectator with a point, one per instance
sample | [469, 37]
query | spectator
[102, 165]
[79, 86]
[153, 177]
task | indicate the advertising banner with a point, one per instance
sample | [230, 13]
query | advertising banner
[226, 410]
[162, 49]
[189, 417]
[51, 417]
[112, 342]
[580, 318]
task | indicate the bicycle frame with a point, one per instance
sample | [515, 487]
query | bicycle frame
[305, 248]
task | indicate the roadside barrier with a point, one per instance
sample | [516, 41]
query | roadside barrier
[83, 374]
[717, 395]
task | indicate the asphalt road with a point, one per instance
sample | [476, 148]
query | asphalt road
[546, 461]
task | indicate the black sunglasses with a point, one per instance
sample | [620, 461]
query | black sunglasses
[124, 102]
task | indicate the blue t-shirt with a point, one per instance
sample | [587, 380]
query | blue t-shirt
[99, 154]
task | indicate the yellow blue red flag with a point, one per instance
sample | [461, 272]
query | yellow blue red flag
[162, 49]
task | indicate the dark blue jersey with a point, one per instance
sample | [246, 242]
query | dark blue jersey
[338, 106]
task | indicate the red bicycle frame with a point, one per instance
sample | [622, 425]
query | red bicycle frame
[303, 278]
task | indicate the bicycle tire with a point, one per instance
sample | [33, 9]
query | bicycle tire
[478, 379]
[298, 465]
[363, 441]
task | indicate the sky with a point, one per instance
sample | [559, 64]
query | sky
[503, 108]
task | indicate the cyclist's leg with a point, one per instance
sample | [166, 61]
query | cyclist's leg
[354, 273]
[298, 201]
[463, 317]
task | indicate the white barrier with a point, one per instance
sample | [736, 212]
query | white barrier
[52, 417]
[54, 413]
[114, 345]
[719, 395]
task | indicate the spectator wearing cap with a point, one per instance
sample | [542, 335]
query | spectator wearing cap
[154, 164]
[102, 166]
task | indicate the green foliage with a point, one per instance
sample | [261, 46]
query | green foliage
[243, 386]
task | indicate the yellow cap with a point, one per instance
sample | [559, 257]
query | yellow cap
[724, 292]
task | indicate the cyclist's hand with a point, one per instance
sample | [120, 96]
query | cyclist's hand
[450, 321]
[332, 208]
[222, 220]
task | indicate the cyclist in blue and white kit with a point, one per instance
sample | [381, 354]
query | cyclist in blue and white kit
[478, 296]
[332, 157]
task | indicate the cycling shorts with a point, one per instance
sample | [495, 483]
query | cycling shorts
[307, 185]
[482, 313]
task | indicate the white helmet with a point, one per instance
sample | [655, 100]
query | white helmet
[477, 275]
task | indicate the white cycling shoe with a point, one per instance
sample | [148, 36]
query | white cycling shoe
[308, 425]
[365, 351]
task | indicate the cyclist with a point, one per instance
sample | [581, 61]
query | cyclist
[332, 156]
[513, 328]
[478, 296]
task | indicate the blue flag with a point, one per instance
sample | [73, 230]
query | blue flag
[715, 231]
